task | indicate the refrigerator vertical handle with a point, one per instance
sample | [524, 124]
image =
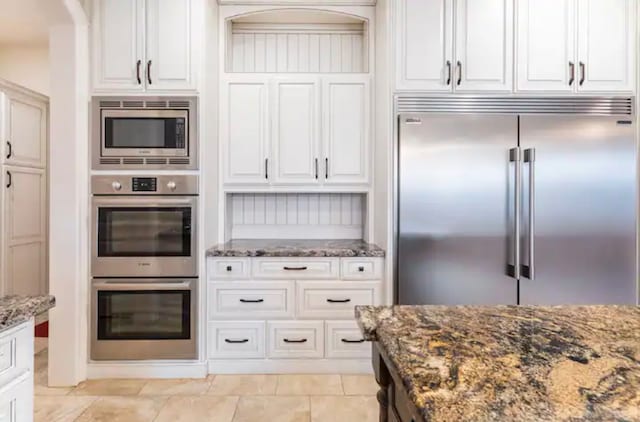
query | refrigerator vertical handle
[515, 157]
[528, 271]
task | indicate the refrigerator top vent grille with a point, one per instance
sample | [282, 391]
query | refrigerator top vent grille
[516, 105]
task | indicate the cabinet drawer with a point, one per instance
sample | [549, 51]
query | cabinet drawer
[296, 339]
[344, 340]
[361, 268]
[16, 399]
[248, 300]
[236, 340]
[16, 351]
[335, 300]
[296, 268]
[228, 268]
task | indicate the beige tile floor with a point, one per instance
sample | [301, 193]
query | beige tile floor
[218, 398]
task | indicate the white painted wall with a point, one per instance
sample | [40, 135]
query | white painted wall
[26, 65]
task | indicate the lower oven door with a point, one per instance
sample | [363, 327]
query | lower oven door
[143, 319]
[144, 236]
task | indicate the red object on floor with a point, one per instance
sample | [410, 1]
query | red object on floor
[42, 330]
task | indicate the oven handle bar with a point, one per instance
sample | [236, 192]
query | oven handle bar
[142, 201]
[116, 285]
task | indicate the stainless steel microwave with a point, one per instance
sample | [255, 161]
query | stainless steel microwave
[144, 133]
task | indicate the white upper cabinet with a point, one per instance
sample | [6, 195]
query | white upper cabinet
[244, 127]
[143, 45]
[118, 49]
[606, 45]
[295, 130]
[24, 121]
[169, 48]
[484, 45]
[346, 125]
[546, 40]
[424, 49]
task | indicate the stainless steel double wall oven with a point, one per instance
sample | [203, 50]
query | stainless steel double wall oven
[144, 267]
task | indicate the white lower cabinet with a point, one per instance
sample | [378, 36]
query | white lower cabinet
[289, 314]
[16, 373]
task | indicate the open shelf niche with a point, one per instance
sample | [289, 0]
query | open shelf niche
[297, 41]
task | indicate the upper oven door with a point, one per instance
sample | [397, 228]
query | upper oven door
[127, 133]
[144, 237]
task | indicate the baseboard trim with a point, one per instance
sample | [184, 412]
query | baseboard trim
[290, 366]
[147, 370]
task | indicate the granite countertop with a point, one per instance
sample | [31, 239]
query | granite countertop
[296, 248]
[507, 363]
[15, 310]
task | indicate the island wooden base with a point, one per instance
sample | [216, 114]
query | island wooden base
[395, 405]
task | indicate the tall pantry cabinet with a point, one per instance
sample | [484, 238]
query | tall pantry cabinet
[23, 198]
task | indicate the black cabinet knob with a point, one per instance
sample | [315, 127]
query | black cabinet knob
[229, 268]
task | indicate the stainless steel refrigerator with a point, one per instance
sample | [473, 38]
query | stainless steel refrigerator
[515, 202]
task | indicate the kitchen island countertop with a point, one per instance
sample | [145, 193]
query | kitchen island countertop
[15, 309]
[507, 363]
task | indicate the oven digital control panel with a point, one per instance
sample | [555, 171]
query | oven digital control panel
[144, 184]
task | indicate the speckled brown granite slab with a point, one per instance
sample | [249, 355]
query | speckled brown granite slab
[18, 309]
[507, 363]
[296, 248]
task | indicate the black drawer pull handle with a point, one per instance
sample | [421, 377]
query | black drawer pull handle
[345, 340]
[361, 269]
[251, 300]
[294, 268]
[10, 149]
[302, 340]
[338, 300]
[244, 340]
[229, 268]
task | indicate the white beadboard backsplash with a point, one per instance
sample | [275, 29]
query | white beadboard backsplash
[296, 215]
[297, 52]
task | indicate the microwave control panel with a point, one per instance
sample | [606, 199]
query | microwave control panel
[144, 184]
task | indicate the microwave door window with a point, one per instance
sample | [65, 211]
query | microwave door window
[140, 232]
[144, 315]
[144, 133]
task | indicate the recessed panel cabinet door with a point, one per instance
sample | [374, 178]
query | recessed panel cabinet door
[295, 128]
[244, 129]
[345, 127]
[606, 45]
[484, 45]
[424, 44]
[546, 39]
[118, 50]
[25, 230]
[169, 61]
[25, 131]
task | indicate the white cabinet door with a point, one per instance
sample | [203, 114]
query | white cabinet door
[244, 130]
[169, 63]
[118, 50]
[295, 130]
[424, 44]
[346, 128]
[606, 45]
[546, 39]
[484, 45]
[25, 133]
[25, 230]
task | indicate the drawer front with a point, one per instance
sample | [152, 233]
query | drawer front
[16, 351]
[361, 268]
[228, 268]
[236, 340]
[16, 399]
[296, 268]
[344, 340]
[296, 339]
[335, 300]
[249, 300]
